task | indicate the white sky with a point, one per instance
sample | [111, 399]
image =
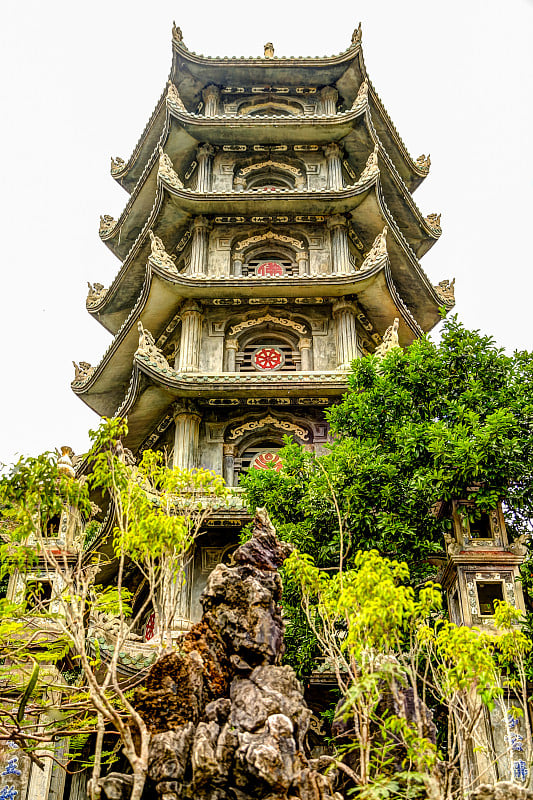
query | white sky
[79, 82]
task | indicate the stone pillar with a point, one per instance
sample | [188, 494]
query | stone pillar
[237, 266]
[204, 156]
[229, 463]
[333, 153]
[303, 264]
[187, 433]
[232, 345]
[305, 345]
[344, 314]
[191, 335]
[329, 96]
[211, 98]
[340, 253]
[199, 245]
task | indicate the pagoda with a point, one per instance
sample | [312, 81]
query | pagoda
[270, 237]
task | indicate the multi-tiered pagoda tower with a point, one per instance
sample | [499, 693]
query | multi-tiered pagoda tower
[270, 237]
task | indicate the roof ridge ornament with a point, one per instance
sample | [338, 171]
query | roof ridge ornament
[433, 220]
[269, 50]
[117, 165]
[159, 254]
[362, 97]
[371, 168]
[107, 223]
[390, 340]
[177, 34]
[423, 162]
[446, 291]
[148, 348]
[97, 292]
[357, 36]
[173, 97]
[82, 371]
[167, 172]
[378, 251]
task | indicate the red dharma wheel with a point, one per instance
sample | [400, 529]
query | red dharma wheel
[149, 628]
[267, 358]
[269, 269]
[266, 460]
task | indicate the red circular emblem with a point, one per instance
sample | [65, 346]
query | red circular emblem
[267, 358]
[270, 270]
[266, 460]
[149, 628]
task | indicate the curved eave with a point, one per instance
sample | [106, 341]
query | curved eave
[163, 292]
[182, 132]
[173, 208]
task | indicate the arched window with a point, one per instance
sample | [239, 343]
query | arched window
[268, 351]
[270, 262]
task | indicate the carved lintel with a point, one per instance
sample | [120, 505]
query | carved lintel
[377, 252]
[433, 220]
[173, 98]
[96, 292]
[82, 371]
[371, 168]
[283, 425]
[159, 253]
[166, 170]
[269, 235]
[362, 97]
[446, 291]
[357, 35]
[390, 340]
[117, 165]
[148, 348]
[250, 323]
[107, 223]
[423, 162]
[271, 164]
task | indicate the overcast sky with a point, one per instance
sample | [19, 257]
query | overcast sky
[79, 82]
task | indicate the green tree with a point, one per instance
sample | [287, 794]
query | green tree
[428, 424]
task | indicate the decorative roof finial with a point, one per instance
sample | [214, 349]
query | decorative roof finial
[362, 96]
[107, 223]
[64, 462]
[173, 98]
[377, 252]
[159, 253]
[177, 35]
[95, 294]
[423, 162]
[82, 371]
[446, 291]
[148, 348]
[269, 50]
[372, 167]
[117, 165]
[166, 170]
[357, 35]
[433, 220]
[390, 340]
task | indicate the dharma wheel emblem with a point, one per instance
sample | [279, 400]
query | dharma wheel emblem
[269, 269]
[265, 358]
[266, 460]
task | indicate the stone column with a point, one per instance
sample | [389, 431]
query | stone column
[232, 345]
[199, 245]
[333, 155]
[305, 345]
[211, 98]
[329, 96]
[204, 156]
[237, 266]
[187, 433]
[229, 463]
[340, 254]
[344, 314]
[191, 335]
[303, 263]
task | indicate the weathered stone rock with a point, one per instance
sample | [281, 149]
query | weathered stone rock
[169, 754]
[116, 786]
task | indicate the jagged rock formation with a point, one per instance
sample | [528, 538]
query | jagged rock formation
[503, 790]
[228, 722]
